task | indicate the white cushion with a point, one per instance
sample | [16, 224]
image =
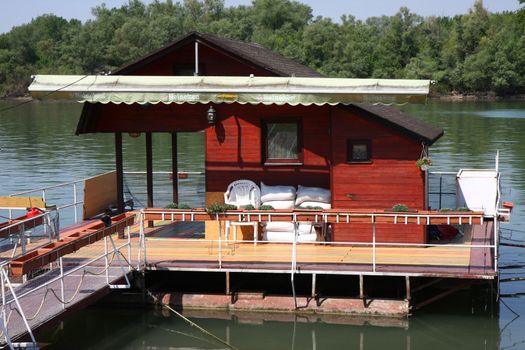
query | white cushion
[307, 238]
[290, 204]
[281, 226]
[277, 236]
[316, 204]
[305, 228]
[273, 236]
[277, 193]
[312, 194]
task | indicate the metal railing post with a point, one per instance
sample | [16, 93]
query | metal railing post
[15, 298]
[373, 243]
[142, 249]
[23, 237]
[4, 314]
[62, 292]
[220, 241]
[128, 229]
[440, 190]
[117, 253]
[7, 337]
[44, 200]
[294, 264]
[75, 201]
[496, 244]
[106, 261]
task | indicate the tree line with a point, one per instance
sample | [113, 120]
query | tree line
[477, 52]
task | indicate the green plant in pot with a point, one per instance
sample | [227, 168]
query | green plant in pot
[217, 208]
[400, 208]
[424, 163]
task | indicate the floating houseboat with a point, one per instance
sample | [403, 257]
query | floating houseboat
[318, 194]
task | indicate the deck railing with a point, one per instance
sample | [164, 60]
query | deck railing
[441, 189]
[68, 197]
[372, 218]
[50, 288]
[28, 234]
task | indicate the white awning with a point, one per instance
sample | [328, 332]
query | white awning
[215, 89]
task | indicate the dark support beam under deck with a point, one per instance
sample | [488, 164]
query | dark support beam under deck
[149, 172]
[120, 172]
[175, 168]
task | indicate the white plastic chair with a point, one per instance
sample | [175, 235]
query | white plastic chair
[242, 193]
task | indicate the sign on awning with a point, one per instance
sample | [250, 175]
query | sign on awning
[252, 90]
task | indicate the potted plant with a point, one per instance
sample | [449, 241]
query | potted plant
[400, 208]
[424, 163]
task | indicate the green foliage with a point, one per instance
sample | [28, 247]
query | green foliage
[177, 206]
[424, 161]
[216, 208]
[249, 207]
[400, 208]
[470, 53]
[445, 210]
[310, 207]
[265, 207]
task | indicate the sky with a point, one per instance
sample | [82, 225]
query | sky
[17, 12]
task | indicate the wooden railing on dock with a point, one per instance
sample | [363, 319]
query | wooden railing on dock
[70, 242]
[422, 217]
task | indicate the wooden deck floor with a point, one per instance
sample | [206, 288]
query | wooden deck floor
[199, 254]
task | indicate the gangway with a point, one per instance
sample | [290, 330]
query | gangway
[58, 286]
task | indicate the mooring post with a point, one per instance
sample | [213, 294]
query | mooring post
[314, 291]
[361, 287]
[407, 287]
[228, 291]
[408, 292]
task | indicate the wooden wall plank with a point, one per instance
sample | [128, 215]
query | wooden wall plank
[100, 192]
[234, 147]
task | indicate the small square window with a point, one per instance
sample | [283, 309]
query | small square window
[281, 142]
[358, 151]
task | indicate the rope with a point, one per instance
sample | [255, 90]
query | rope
[75, 294]
[191, 323]
[183, 333]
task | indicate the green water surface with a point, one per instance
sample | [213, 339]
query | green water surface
[38, 148]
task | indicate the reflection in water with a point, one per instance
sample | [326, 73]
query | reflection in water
[162, 330]
[38, 148]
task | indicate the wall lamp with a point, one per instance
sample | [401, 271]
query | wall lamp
[211, 116]
[134, 134]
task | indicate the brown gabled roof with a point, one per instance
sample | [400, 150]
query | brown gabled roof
[416, 128]
[258, 56]
[250, 53]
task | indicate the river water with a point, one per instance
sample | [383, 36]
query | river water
[38, 148]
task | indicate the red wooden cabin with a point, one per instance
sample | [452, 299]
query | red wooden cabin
[365, 154]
